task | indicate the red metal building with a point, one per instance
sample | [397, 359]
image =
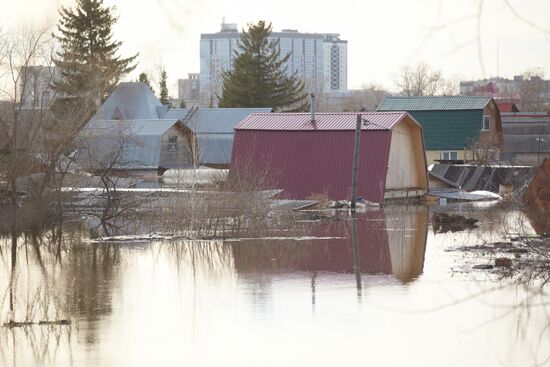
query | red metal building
[305, 155]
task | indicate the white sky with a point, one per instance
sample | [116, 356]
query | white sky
[382, 35]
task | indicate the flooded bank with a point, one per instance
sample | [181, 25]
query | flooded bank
[381, 288]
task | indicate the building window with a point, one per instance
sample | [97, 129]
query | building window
[486, 122]
[173, 144]
[448, 156]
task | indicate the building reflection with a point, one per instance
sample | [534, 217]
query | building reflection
[83, 282]
[391, 241]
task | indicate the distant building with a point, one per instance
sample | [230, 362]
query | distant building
[506, 106]
[306, 157]
[320, 59]
[455, 127]
[528, 92]
[336, 61]
[189, 90]
[35, 85]
[526, 137]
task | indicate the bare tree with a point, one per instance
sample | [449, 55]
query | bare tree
[421, 80]
[531, 90]
[366, 99]
[37, 139]
[105, 150]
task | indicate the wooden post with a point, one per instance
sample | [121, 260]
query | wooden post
[355, 163]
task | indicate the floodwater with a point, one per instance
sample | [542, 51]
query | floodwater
[384, 291]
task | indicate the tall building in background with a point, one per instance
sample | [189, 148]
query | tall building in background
[189, 90]
[336, 61]
[319, 59]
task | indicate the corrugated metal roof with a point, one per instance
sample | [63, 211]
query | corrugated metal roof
[471, 178]
[214, 120]
[433, 103]
[323, 121]
[130, 101]
[215, 148]
[135, 127]
[527, 143]
[526, 129]
[525, 119]
[214, 130]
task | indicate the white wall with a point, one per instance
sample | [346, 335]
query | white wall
[406, 166]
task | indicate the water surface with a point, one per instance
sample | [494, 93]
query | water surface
[383, 292]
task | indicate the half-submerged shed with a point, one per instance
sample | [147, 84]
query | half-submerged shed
[135, 147]
[305, 156]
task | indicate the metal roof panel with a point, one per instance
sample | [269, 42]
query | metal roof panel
[323, 121]
[214, 120]
[433, 103]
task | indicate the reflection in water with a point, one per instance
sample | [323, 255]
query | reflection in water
[53, 278]
[356, 255]
[254, 302]
[387, 242]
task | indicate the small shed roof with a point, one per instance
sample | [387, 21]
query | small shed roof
[433, 103]
[526, 118]
[136, 127]
[131, 101]
[214, 120]
[323, 121]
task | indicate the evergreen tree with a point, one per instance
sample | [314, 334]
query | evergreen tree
[259, 77]
[182, 104]
[88, 60]
[143, 78]
[164, 99]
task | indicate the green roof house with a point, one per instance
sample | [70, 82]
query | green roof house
[455, 127]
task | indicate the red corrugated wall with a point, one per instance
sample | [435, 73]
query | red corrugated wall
[303, 163]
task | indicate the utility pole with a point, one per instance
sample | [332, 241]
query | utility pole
[355, 163]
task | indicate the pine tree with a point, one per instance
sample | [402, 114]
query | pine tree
[164, 99]
[259, 77]
[143, 78]
[88, 61]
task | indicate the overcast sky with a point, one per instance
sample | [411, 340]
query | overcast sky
[382, 35]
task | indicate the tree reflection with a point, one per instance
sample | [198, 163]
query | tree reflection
[51, 276]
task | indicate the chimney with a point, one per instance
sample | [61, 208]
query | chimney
[312, 107]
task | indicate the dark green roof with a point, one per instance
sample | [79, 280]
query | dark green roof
[435, 103]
